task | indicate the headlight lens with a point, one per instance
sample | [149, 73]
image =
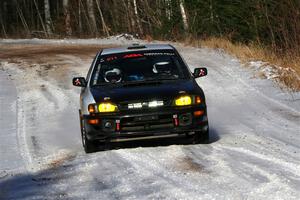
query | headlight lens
[107, 107]
[183, 101]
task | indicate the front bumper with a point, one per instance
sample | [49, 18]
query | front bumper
[145, 123]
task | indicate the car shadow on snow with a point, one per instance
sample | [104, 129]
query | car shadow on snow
[36, 185]
[214, 136]
[181, 140]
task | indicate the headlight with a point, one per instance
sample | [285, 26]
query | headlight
[183, 101]
[107, 107]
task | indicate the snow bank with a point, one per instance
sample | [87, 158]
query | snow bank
[115, 40]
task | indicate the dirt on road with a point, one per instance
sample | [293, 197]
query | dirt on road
[39, 52]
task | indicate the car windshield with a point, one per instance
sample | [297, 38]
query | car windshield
[140, 66]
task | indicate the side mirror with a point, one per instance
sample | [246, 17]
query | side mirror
[79, 82]
[199, 72]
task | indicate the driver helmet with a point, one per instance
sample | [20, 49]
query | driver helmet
[113, 76]
[161, 67]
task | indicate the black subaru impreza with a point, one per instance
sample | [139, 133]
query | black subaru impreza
[140, 92]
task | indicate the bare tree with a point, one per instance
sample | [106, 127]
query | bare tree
[21, 15]
[67, 17]
[137, 17]
[91, 13]
[2, 11]
[47, 17]
[40, 17]
[168, 9]
[130, 16]
[104, 26]
[183, 15]
[79, 17]
[128, 21]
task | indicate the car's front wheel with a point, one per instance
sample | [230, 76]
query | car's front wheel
[89, 146]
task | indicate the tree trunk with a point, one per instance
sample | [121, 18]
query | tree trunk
[273, 42]
[137, 17]
[129, 28]
[3, 12]
[21, 15]
[168, 9]
[47, 17]
[183, 15]
[79, 17]
[40, 17]
[67, 17]
[104, 27]
[131, 17]
[91, 13]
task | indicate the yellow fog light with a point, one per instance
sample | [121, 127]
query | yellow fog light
[183, 101]
[107, 107]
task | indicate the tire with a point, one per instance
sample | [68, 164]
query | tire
[201, 137]
[89, 146]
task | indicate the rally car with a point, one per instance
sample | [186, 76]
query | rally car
[139, 92]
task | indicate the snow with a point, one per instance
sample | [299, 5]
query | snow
[255, 136]
[272, 72]
[268, 71]
[10, 155]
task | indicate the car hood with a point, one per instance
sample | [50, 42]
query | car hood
[164, 90]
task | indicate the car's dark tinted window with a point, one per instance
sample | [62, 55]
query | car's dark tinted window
[139, 66]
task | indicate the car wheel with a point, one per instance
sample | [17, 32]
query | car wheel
[89, 146]
[201, 137]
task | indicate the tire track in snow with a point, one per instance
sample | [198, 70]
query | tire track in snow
[35, 107]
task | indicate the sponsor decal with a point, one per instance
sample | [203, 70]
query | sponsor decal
[159, 54]
[151, 104]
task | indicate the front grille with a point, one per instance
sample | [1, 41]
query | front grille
[148, 122]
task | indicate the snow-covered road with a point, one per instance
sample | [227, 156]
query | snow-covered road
[254, 151]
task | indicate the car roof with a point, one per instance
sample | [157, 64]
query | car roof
[136, 47]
